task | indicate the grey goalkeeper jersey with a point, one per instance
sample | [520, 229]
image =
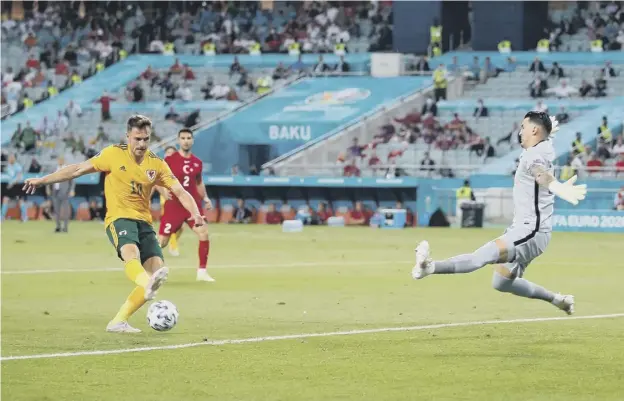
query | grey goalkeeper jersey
[533, 205]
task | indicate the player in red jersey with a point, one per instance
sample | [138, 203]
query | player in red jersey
[188, 170]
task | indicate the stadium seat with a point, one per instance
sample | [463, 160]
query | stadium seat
[13, 213]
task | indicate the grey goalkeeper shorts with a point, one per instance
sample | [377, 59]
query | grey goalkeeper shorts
[528, 243]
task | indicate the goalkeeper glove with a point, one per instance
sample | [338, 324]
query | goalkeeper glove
[568, 191]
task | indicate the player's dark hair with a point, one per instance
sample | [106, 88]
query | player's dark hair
[540, 118]
[138, 121]
[183, 130]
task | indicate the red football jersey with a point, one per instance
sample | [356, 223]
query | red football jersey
[187, 171]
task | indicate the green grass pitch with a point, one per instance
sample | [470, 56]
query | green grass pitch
[319, 281]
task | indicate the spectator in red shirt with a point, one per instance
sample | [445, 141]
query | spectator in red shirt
[176, 68]
[148, 74]
[594, 164]
[273, 216]
[62, 68]
[322, 213]
[105, 101]
[619, 165]
[357, 216]
[351, 170]
[188, 72]
[32, 63]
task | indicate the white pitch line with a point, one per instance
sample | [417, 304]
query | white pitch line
[303, 336]
[232, 266]
[246, 266]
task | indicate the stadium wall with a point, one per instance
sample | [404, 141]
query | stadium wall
[423, 196]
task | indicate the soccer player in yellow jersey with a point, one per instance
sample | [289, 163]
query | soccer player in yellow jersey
[131, 172]
[174, 250]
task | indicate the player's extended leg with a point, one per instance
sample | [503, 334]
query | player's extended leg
[492, 252]
[137, 274]
[203, 251]
[505, 280]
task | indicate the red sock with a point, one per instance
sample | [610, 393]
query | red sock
[204, 249]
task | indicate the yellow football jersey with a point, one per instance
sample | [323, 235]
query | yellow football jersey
[128, 185]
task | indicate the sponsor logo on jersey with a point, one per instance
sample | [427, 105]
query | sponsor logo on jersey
[151, 174]
[122, 168]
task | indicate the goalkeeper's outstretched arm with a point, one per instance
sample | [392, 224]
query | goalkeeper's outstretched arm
[566, 190]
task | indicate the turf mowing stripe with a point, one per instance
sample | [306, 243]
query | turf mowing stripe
[258, 265]
[302, 336]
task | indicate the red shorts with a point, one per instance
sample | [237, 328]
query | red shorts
[172, 220]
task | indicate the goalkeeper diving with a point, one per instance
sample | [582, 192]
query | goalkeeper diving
[534, 191]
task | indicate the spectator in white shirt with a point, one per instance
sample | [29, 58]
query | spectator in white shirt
[618, 148]
[578, 165]
[157, 46]
[8, 76]
[73, 109]
[60, 124]
[563, 90]
[184, 93]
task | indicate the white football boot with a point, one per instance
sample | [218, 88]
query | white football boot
[121, 327]
[565, 303]
[173, 252]
[155, 282]
[202, 275]
[424, 265]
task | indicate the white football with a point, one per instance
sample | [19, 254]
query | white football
[162, 316]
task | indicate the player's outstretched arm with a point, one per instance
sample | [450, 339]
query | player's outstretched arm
[65, 174]
[188, 202]
[566, 190]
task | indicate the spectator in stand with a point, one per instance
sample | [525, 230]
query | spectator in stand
[556, 71]
[234, 171]
[567, 171]
[537, 87]
[618, 148]
[235, 67]
[280, 72]
[608, 70]
[594, 164]
[618, 201]
[480, 110]
[540, 107]
[242, 214]
[537, 66]
[430, 107]
[355, 150]
[357, 216]
[585, 88]
[563, 90]
[322, 213]
[171, 115]
[73, 110]
[273, 216]
[28, 138]
[474, 72]
[351, 169]
[563, 117]
[187, 73]
[619, 165]
[604, 133]
[427, 164]
[601, 85]
[489, 149]
[177, 67]
[105, 101]
[373, 162]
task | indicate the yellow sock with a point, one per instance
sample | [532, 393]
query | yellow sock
[173, 242]
[135, 300]
[136, 273]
